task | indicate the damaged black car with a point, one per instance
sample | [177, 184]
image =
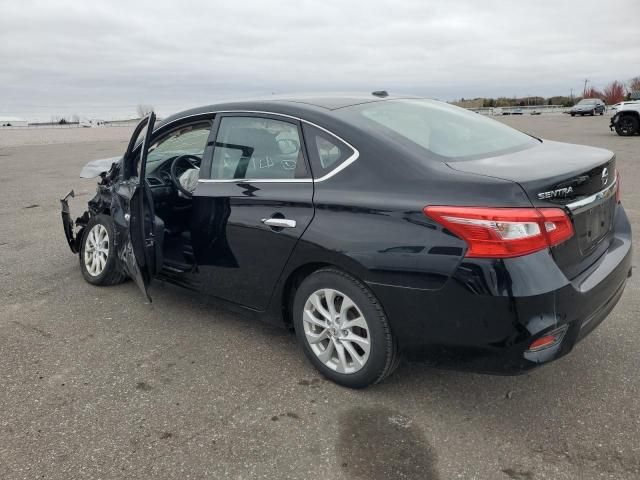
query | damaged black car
[375, 226]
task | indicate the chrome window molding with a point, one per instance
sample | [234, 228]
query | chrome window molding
[256, 180]
[588, 201]
[354, 156]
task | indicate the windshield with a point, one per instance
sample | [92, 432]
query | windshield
[587, 101]
[440, 128]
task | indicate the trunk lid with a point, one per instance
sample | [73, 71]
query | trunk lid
[578, 178]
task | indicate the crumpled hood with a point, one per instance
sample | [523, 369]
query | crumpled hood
[94, 168]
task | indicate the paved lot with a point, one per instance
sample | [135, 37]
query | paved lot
[96, 383]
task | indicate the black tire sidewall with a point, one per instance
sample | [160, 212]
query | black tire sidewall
[380, 337]
[110, 266]
[635, 123]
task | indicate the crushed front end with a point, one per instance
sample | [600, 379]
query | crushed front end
[100, 203]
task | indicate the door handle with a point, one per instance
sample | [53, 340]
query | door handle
[279, 222]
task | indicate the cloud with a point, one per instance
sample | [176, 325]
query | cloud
[106, 57]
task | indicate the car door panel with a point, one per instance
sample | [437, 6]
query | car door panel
[239, 257]
[132, 212]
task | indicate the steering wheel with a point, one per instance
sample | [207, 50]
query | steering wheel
[193, 162]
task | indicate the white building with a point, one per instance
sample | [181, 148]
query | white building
[12, 122]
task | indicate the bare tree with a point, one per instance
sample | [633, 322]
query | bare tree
[634, 84]
[144, 110]
[613, 93]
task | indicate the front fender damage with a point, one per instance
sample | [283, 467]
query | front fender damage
[99, 204]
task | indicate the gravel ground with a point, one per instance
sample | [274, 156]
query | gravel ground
[98, 384]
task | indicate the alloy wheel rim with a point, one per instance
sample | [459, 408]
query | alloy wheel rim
[96, 250]
[336, 331]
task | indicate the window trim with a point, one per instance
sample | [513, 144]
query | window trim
[220, 113]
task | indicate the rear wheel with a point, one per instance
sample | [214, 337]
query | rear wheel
[343, 329]
[627, 125]
[98, 261]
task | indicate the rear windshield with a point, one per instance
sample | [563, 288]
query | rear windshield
[444, 130]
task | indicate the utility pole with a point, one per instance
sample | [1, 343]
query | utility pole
[584, 92]
[571, 96]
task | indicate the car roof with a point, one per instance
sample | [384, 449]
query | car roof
[300, 105]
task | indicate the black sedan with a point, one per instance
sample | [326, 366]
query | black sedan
[375, 226]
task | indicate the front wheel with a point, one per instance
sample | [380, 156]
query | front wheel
[98, 261]
[343, 329]
[627, 126]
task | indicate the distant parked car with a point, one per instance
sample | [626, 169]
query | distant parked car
[626, 120]
[512, 111]
[588, 106]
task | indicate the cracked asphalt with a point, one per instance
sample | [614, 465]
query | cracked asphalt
[96, 383]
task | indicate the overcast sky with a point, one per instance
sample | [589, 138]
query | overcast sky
[101, 59]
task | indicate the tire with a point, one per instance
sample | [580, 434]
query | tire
[573, 114]
[99, 266]
[593, 112]
[627, 126]
[371, 324]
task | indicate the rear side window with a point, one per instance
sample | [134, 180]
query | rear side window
[326, 152]
[257, 148]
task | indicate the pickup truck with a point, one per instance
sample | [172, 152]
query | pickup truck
[626, 121]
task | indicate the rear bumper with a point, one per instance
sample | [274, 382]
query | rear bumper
[488, 314]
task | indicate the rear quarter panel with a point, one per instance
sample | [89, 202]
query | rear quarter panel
[369, 218]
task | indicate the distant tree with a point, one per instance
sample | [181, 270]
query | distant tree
[592, 92]
[633, 85]
[144, 110]
[75, 118]
[613, 93]
[62, 121]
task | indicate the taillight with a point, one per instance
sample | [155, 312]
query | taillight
[504, 232]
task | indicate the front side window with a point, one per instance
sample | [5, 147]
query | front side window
[257, 148]
[189, 140]
[447, 131]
